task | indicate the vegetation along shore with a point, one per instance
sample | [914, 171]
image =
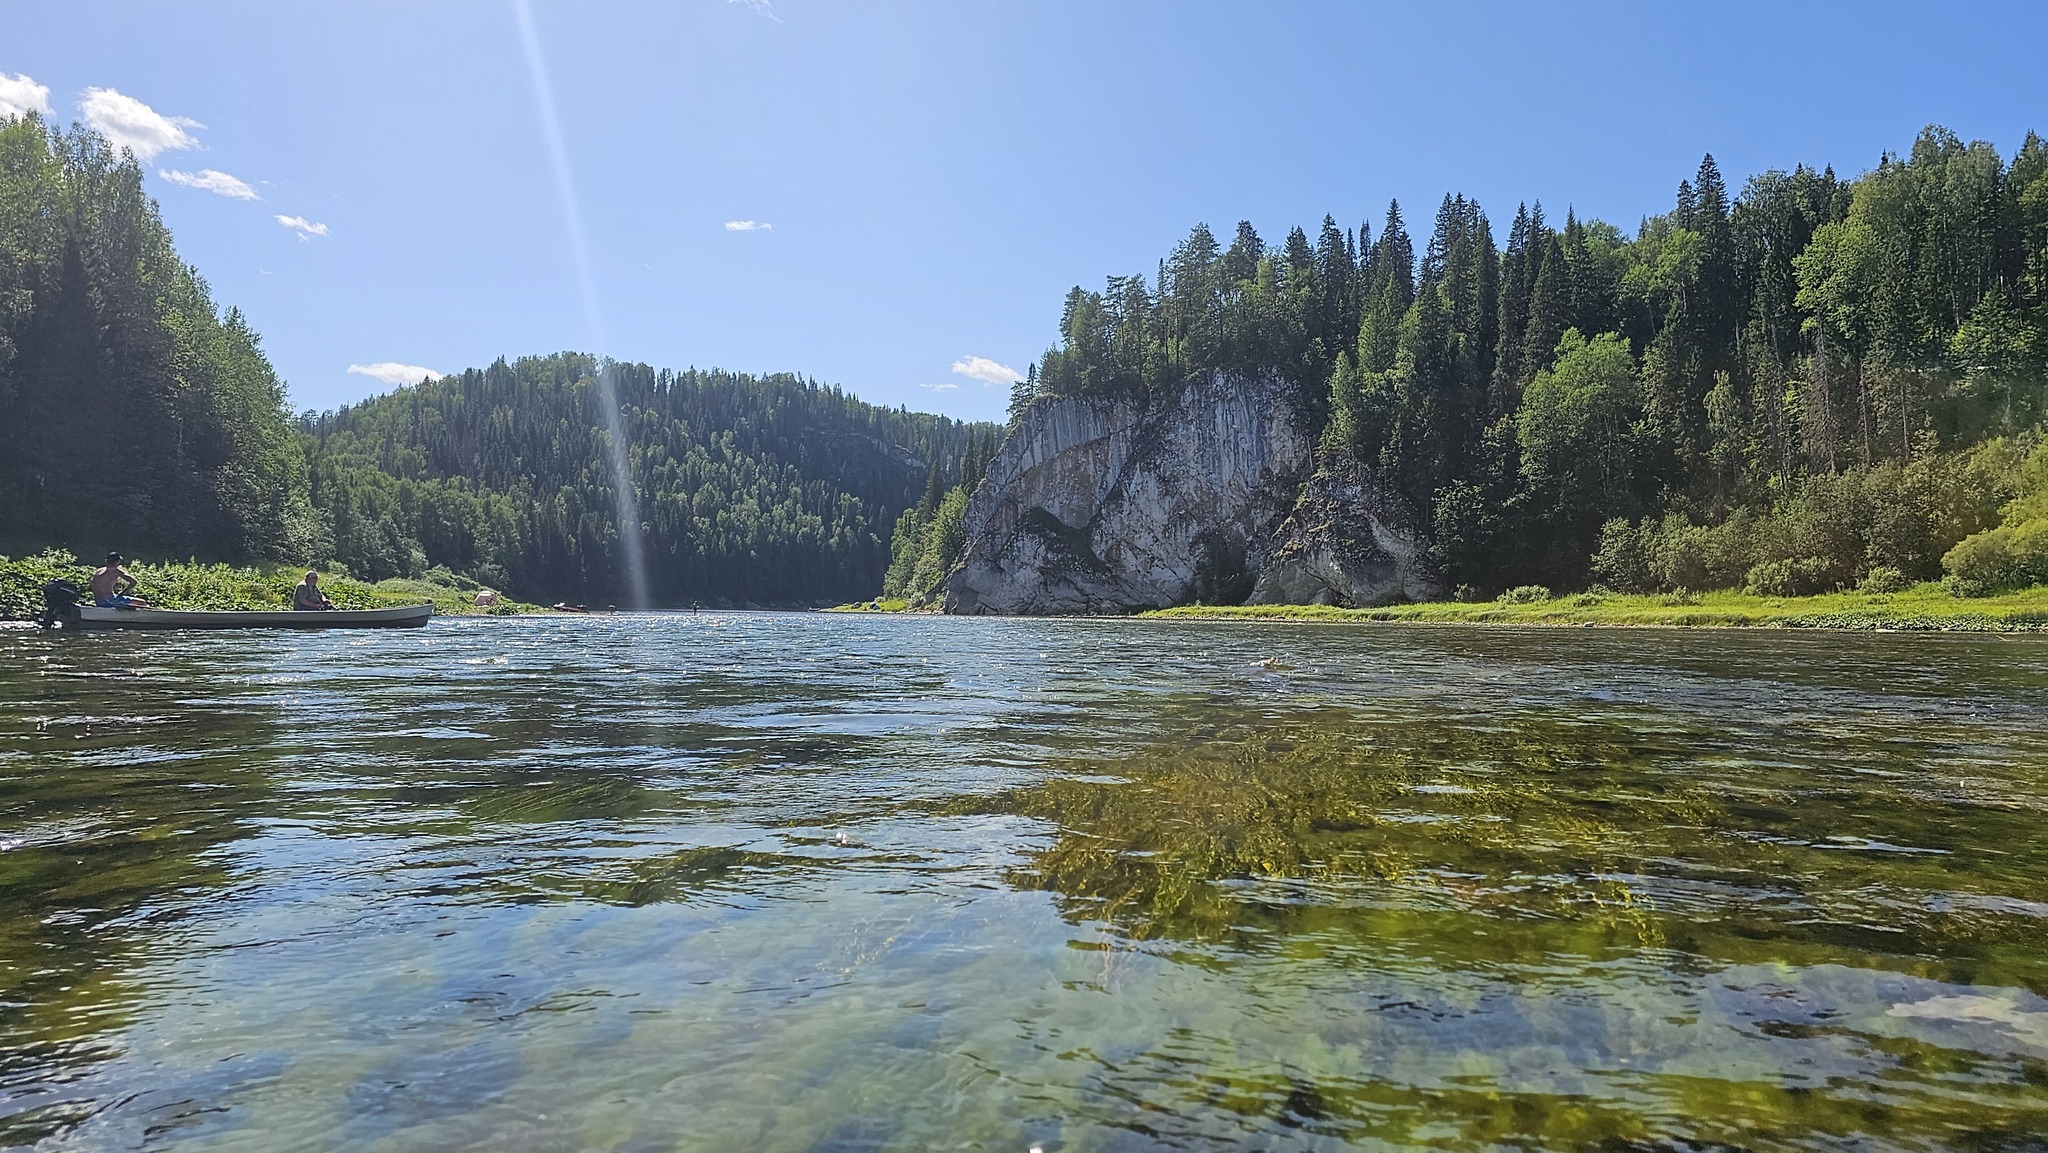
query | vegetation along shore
[1922, 608]
[196, 585]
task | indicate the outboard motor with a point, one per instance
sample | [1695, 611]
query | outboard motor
[60, 605]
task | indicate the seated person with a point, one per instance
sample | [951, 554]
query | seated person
[111, 585]
[307, 597]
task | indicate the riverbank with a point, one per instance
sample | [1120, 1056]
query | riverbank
[219, 586]
[1923, 608]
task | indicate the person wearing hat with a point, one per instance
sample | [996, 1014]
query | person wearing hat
[111, 585]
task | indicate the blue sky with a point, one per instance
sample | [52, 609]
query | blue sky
[926, 179]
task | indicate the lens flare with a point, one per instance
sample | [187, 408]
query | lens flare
[631, 548]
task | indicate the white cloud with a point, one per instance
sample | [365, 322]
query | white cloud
[211, 180]
[129, 123]
[20, 96]
[763, 7]
[942, 386]
[302, 226]
[392, 372]
[748, 226]
[988, 372]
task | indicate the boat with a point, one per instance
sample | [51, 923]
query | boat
[402, 617]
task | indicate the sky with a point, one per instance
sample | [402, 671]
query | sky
[895, 197]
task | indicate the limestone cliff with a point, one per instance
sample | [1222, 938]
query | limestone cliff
[1346, 542]
[1108, 505]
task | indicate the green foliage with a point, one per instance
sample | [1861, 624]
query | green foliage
[1525, 595]
[2014, 554]
[132, 412]
[1796, 577]
[763, 489]
[1923, 608]
[925, 548]
[1884, 579]
[1810, 378]
[193, 585]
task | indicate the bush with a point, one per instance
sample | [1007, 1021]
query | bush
[1679, 597]
[2007, 557]
[1800, 577]
[1884, 579]
[1525, 595]
[1620, 561]
[22, 581]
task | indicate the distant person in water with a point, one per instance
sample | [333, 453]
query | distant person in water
[308, 598]
[111, 585]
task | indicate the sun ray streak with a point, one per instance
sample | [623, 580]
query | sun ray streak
[630, 543]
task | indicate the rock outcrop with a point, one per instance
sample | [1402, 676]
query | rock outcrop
[1346, 542]
[1111, 505]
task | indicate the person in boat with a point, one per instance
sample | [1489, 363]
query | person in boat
[112, 584]
[307, 597]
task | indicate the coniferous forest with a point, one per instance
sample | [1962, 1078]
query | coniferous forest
[1797, 386]
[132, 412]
[1806, 384]
[772, 490]
[135, 415]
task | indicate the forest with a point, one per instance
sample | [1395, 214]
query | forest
[767, 490]
[135, 414]
[1813, 383]
[1807, 384]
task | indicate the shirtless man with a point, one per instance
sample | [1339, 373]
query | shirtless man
[111, 584]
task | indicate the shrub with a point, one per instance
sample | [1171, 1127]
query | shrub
[1884, 579]
[1525, 595]
[1800, 577]
[1682, 596]
[1620, 561]
[2007, 557]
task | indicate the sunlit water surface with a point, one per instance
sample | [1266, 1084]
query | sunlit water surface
[812, 882]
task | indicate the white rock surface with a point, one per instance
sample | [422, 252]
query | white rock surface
[1107, 506]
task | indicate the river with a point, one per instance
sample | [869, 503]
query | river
[814, 882]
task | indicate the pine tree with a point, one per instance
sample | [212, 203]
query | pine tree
[1550, 310]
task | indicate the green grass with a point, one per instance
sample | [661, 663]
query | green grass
[1927, 607]
[878, 605]
[192, 585]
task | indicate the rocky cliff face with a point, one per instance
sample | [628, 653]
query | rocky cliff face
[1345, 542]
[1114, 505]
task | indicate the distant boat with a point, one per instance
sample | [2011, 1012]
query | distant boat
[403, 617]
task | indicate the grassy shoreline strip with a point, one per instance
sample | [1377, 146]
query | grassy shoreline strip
[194, 585]
[1924, 608]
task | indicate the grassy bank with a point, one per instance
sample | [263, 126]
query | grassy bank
[878, 605]
[218, 586]
[1927, 607]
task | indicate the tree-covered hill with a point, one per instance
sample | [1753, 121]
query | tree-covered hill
[764, 489]
[1788, 388]
[132, 413]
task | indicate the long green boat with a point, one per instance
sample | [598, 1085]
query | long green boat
[402, 617]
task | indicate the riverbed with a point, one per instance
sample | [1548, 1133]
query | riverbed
[772, 881]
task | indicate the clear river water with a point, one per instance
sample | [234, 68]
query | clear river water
[816, 882]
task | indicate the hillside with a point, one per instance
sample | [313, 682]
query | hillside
[133, 413]
[770, 490]
[1790, 389]
[136, 415]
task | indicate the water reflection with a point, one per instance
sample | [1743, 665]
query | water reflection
[799, 882]
[117, 794]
